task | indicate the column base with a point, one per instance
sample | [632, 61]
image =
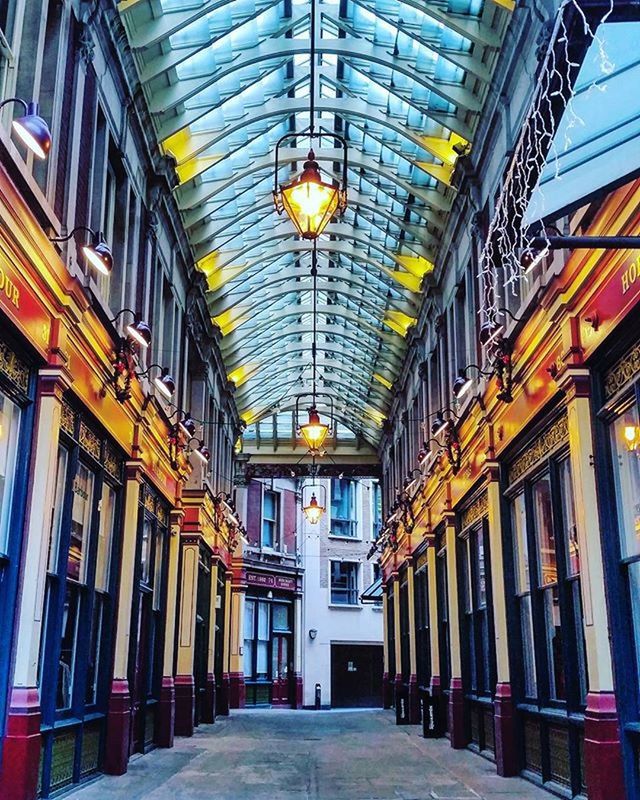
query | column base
[298, 695]
[117, 746]
[400, 700]
[166, 713]
[414, 701]
[22, 743]
[439, 707]
[222, 698]
[185, 705]
[507, 762]
[456, 715]
[602, 748]
[236, 690]
[208, 710]
[387, 691]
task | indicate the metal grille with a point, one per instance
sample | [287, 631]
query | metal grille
[90, 760]
[559, 762]
[62, 760]
[532, 750]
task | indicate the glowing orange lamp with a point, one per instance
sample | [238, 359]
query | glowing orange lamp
[313, 511]
[314, 432]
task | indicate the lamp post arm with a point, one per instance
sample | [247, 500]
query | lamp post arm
[22, 102]
[73, 232]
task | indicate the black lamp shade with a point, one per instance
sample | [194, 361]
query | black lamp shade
[188, 425]
[438, 425]
[490, 331]
[99, 254]
[33, 131]
[461, 384]
[165, 384]
[140, 332]
[203, 452]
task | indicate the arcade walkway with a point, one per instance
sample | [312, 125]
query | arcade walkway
[299, 755]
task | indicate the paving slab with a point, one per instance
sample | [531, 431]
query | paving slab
[309, 755]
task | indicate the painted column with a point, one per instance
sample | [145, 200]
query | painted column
[434, 641]
[602, 748]
[184, 681]
[387, 691]
[397, 638]
[504, 713]
[209, 710]
[226, 638]
[298, 637]
[457, 731]
[21, 752]
[166, 707]
[236, 642]
[414, 700]
[119, 710]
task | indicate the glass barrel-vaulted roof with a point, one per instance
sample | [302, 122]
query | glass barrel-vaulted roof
[404, 82]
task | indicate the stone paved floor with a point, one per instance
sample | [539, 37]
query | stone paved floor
[307, 755]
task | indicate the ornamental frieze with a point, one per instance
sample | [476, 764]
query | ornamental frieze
[623, 372]
[13, 368]
[556, 435]
[477, 510]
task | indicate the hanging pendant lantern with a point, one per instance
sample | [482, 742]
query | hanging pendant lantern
[314, 432]
[313, 511]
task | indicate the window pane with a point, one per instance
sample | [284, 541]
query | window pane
[280, 617]
[267, 533]
[158, 563]
[572, 553]
[626, 471]
[61, 483]
[481, 587]
[105, 537]
[249, 622]
[94, 651]
[80, 523]
[634, 589]
[541, 493]
[520, 546]
[344, 583]
[526, 631]
[9, 430]
[555, 656]
[145, 554]
[66, 663]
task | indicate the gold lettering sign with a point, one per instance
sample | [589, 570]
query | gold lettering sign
[630, 275]
[9, 292]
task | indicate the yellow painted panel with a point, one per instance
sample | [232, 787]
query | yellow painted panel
[441, 172]
[406, 279]
[229, 320]
[416, 265]
[398, 321]
[242, 374]
[376, 416]
[508, 4]
[381, 379]
[443, 148]
[195, 166]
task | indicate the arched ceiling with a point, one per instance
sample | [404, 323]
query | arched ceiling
[404, 82]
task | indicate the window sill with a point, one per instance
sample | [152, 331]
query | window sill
[344, 538]
[345, 606]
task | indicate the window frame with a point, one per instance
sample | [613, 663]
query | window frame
[351, 591]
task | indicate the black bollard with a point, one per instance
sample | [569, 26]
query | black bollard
[318, 696]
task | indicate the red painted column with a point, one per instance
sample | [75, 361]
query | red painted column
[507, 761]
[116, 752]
[457, 728]
[165, 718]
[185, 704]
[21, 751]
[440, 710]
[237, 695]
[223, 696]
[414, 700]
[208, 711]
[602, 749]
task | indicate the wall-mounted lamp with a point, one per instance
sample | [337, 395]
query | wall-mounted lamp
[187, 425]
[30, 127]
[201, 451]
[464, 382]
[137, 330]
[97, 253]
[163, 382]
[632, 437]
[313, 633]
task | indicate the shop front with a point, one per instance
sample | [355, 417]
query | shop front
[269, 648]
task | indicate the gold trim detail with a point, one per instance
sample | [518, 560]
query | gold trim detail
[89, 441]
[13, 368]
[623, 372]
[556, 435]
[478, 509]
[112, 462]
[68, 419]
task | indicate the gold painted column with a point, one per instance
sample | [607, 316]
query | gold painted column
[226, 638]
[209, 710]
[434, 638]
[507, 760]
[119, 712]
[456, 694]
[184, 680]
[414, 700]
[397, 637]
[236, 646]
[22, 740]
[603, 753]
[165, 719]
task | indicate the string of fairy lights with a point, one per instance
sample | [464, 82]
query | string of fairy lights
[502, 266]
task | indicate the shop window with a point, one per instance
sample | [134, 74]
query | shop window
[423, 641]
[343, 508]
[10, 414]
[405, 643]
[443, 612]
[271, 519]
[344, 583]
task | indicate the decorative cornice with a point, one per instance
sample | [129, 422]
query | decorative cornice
[555, 436]
[478, 509]
[623, 372]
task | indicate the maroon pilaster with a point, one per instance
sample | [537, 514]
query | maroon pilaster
[398, 694]
[185, 704]
[602, 750]
[456, 715]
[505, 732]
[298, 691]
[414, 701]
[116, 751]
[387, 691]
[21, 751]
[222, 698]
[236, 690]
[208, 710]
[165, 718]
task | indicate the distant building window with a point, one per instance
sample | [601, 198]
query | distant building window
[343, 521]
[270, 519]
[344, 583]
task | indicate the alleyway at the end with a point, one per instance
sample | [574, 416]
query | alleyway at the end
[297, 755]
